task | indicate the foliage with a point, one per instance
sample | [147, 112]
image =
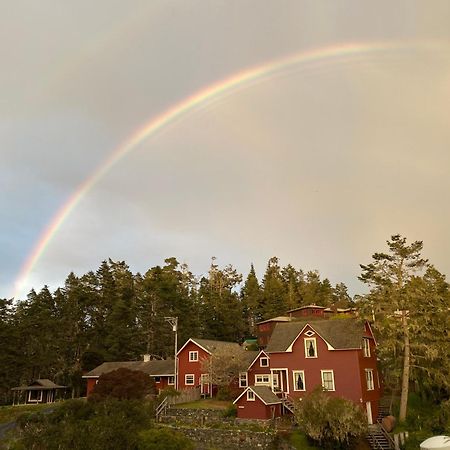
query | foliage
[408, 303]
[123, 384]
[231, 411]
[83, 425]
[224, 365]
[112, 314]
[332, 422]
[300, 442]
[163, 439]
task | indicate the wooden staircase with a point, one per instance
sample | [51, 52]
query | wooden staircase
[288, 403]
[379, 438]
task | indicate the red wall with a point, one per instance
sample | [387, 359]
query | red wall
[185, 366]
[163, 383]
[344, 363]
[91, 382]
[256, 409]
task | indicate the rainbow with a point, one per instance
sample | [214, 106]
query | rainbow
[194, 102]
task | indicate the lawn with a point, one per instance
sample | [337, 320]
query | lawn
[11, 413]
[208, 403]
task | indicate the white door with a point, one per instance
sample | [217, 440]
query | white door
[369, 413]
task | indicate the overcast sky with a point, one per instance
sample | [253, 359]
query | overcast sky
[318, 165]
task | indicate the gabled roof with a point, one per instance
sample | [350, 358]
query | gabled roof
[256, 357]
[152, 368]
[276, 319]
[39, 384]
[307, 307]
[341, 334]
[264, 393]
[211, 346]
[250, 356]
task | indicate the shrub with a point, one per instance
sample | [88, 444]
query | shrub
[123, 384]
[163, 439]
[331, 422]
[80, 425]
[224, 393]
[231, 411]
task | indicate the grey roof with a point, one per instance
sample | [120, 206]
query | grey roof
[38, 385]
[306, 307]
[153, 368]
[340, 333]
[250, 356]
[213, 346]
[265, 394]
[276, 319]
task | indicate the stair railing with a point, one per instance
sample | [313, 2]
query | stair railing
[388, 438]
[161, 408]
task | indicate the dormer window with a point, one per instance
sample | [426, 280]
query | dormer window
[366, 348]
[310, 348]
[193, 356]
[264, 362]
[250, 396]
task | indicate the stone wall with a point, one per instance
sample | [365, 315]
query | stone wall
[196, 417]
[210, 438]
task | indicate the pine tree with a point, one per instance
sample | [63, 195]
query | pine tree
[389, 276]
[273, 303]
[251, 300]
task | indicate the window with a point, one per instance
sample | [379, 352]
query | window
[369, 379]
[264, 362]
[189, 379]
[299, 380]
[193, 356]
[262, 380]
[250, 396]
[204, 378]
[310, 348]
[157, 379]
[243, 380]
[276, 383]
[171, 380]
[327, 380]
[366, 347]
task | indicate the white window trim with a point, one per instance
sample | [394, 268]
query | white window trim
[243, 375]
[294, 372]
[263, 383]
[38, 398]
[332, 377]
[370, 383]
[171, 383]
[306, 340]
[366, 348]
[186, 379]
[193, 356]
[253, 396]
[261, 361]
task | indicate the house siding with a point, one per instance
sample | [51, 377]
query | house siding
[256, 409]
[344, 363]
[190, 367]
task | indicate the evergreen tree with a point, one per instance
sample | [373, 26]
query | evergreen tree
[392, 300]
[273, 297]
[251, 300]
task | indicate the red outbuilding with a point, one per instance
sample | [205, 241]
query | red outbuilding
[258, 402]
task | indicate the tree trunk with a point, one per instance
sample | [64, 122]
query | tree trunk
[406, 368]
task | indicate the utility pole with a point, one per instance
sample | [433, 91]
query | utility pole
[174, 322]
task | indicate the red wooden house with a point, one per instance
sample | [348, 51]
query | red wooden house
[191, 357]
[301, 354]
[162, 372]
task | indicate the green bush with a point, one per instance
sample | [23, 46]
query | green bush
[331, 422]
[224, 393]
[123, 384]
[81, 425]
[231, 411]
[163, 439]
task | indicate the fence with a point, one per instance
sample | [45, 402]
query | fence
[187, 395]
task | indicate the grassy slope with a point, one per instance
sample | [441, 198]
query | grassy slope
[11, 413]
